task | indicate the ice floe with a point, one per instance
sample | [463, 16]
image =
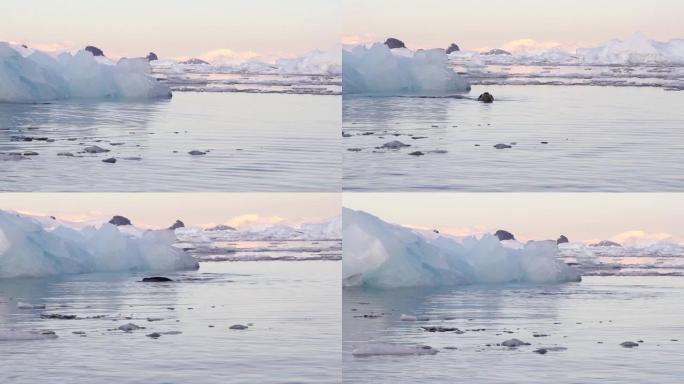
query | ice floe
[384, 255]
[380, 70]
[43, 247]
[28, 75]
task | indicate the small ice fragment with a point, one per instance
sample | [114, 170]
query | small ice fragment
[513, 343]
[95, 149]
[408, 318]
[23, 305]
[129, 327]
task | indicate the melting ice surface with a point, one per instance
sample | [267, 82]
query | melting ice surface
[29, 249]
[28, 75]
[383, 71]
[383, 255]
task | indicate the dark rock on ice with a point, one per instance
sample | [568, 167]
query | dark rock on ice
[57, 316]
[109, 160]
[504, 235]
[155, 279]
[540, 351]
[606, 243]
[153, 335]
[502, 146]
[629, 344]
[354, 149]
[238, 326]
[392, 43]
[486, 98]
[119, 220]
[416, 153]
[66, 154]
[496, 51]
[151, 56]
[195, 152]
[30, 153]
[562, 239]
[94, 50]
[177, 224]
[221, 227]
[453, 48]
[195, 60]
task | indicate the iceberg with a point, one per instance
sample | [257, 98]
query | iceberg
[29, 248]
[28, 75]
[637, 49]
[316, 62]
[383, 255]
[384, 71]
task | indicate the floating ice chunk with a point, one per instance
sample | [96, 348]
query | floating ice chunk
[380, 70]
[28, 248]
[383, 255]
[34, 76]
[408, 318]
[23, 305]
[386, 349]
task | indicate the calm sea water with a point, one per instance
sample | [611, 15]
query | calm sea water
[563, 138]
[590, 319]
[294, 309]
[255, 142]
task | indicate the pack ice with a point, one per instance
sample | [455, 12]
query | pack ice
[383, 255]
[381, 70]
[28, 75]
[29, 248]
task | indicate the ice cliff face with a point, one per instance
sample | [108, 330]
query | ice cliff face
[382, 255]
[33, 76]
[385, 71]
[30, 247]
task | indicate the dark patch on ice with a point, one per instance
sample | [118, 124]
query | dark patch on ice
[502, 146]
[504, 235]
[155, 279]
[393, 43]
[238, 326]
[109, 160]
[119, 220]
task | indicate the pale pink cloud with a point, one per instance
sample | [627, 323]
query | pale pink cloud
[364, 38]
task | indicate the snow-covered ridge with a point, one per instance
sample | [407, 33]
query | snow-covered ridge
[315, 62]
[380, 70]
[325, 230]
[634, 50]
[384, 255]
[32, 247]
[28, 75]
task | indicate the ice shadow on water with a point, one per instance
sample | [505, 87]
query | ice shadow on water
[84, 295]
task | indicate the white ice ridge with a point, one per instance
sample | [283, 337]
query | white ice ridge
[637, 49]
[315, 62]
[380, 70]
[326, 230]
[28, 75]
[383, 255]
[29, 248]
